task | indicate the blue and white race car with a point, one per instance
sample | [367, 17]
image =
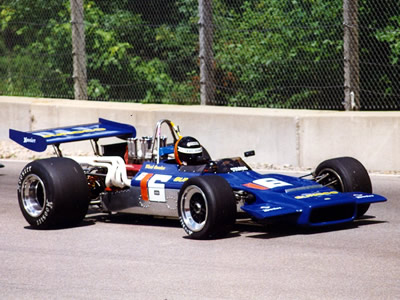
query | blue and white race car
[150, 176]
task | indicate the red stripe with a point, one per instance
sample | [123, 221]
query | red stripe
[255, 186]
[143, 187]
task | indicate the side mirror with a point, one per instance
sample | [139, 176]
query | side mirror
[249, 153]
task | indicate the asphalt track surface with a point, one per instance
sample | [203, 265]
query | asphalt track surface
[131, 257]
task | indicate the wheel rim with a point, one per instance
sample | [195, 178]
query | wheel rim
[33, 195]
[194, 209]
[330, 178]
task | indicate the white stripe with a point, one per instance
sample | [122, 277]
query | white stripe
[190, 144]
[190, 150]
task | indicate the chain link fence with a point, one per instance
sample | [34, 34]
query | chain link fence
[302, 54]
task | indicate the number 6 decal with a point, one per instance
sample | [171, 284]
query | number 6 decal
[271, 183]
[151, 189]
[157, 189]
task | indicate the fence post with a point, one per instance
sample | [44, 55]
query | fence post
[78, 50]
[351, 55]
[206, 56]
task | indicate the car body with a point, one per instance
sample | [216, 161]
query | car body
[143, 176]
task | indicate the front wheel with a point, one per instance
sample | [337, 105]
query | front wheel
[206, 207]
[345, 174]
[53, 193]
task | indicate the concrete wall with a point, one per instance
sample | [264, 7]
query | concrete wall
[296, 138]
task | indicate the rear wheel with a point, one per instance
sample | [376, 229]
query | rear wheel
[206, 207]
[53, 193]
[345, 174]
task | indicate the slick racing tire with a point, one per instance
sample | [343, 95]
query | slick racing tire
[206, 207]
[345, 174]
[53, 193]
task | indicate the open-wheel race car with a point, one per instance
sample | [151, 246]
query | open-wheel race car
[152, 176]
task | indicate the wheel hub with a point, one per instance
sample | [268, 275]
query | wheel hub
[194, 210]
[330, 178]
[197, 208]
[33, 195]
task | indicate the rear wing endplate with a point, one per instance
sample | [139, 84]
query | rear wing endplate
[39, 140]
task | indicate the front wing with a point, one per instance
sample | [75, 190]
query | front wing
[312, 209]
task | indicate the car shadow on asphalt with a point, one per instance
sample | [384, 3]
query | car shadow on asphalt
[119, 218]
[245, 228]
[84, 223]
[133, 219]
[271, 231]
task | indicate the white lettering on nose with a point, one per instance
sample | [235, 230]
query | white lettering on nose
[269, 208]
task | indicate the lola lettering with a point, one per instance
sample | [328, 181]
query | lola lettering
[29, 140]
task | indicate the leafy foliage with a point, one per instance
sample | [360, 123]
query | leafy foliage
[127, 58]
[268, 53]
[380, 68]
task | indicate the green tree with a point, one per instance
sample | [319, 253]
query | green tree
[278, 53]
[33, 49]
[130, 56]
[381, 52]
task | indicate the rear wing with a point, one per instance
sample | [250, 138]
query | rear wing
[39, 140]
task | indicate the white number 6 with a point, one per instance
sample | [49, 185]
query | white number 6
[157, 189]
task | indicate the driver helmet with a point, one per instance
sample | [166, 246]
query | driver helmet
[188, 151]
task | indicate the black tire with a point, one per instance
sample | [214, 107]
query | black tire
[345, 174]
[53, 193]
[206, 207]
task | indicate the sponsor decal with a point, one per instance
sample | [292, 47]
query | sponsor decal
[49, 207]
[361, 196]
[29, 140]
[21, 176]
[305, 196]
[269, 208]
[238, 169]
[50, 135]
[180, 179]
[159, 168]
[152, 167]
